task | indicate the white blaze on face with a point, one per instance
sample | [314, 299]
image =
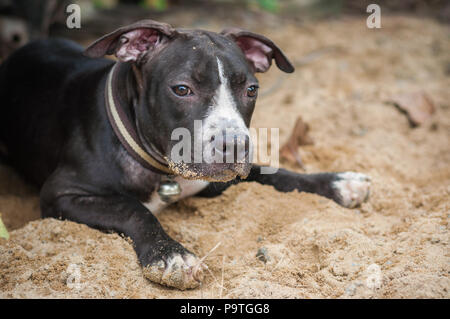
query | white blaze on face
[222, 114]
[223, 102]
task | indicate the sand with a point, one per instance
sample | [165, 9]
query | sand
[394, 246]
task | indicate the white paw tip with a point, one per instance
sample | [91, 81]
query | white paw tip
[179, 271]
[352, 188]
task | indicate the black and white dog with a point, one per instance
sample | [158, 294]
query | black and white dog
[95, 135]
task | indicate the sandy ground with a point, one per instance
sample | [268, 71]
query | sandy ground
[394, 246]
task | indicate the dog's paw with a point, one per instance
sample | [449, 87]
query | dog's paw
[351, 188]
[182, 271]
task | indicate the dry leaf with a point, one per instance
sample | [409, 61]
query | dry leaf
[418, 106]
[299, 136]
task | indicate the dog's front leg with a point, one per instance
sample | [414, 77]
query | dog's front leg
[165, 261]
[348, 189]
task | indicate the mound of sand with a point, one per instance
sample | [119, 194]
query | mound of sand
[396, 245]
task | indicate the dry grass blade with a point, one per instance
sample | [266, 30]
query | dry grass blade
[221, 285]
[196, 269]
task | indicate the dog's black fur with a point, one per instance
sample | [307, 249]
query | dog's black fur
[55, 129]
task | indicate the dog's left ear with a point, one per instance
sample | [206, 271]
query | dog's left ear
[131, 43]
[259, 50]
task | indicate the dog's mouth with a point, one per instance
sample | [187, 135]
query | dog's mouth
[213, 172]
[217, 159]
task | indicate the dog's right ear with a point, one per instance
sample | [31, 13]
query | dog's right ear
[131, 43]
[259, 50]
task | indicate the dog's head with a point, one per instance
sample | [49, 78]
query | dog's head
[197, 92]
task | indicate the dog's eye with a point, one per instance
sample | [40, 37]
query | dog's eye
[182, 90]
[252, 91]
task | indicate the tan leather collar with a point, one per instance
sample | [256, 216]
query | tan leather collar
[126, 132]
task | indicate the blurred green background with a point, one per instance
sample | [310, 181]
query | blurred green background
[24, 20]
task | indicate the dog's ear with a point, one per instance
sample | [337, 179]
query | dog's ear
[131, 43]
[259, 50]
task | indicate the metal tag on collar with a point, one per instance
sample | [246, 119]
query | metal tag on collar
[169, 190]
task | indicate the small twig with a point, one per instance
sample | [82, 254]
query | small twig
[207, 254]
[200, 263]
[221, 286]
[215, 279]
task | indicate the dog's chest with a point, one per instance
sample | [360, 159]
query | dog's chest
[188, 188]
[146, 183]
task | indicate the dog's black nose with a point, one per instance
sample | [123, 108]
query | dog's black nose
[232, 147]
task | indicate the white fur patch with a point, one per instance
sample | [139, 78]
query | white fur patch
[224, 105]
[179, 271]
[188, 188]
[222, 113]
[353, 188]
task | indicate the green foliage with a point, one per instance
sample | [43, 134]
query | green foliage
[159, 5]
[104, 4]
[3, 232]
[269, 5]
[323, 8]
